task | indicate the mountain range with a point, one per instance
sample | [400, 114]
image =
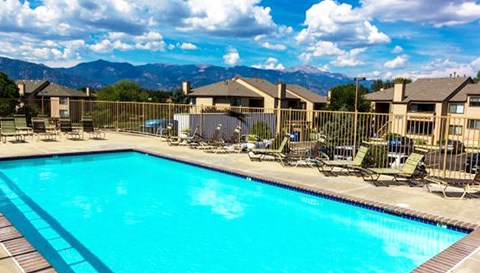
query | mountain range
[166, 77]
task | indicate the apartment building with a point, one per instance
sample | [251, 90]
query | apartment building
[431, 108]
[52, 98]
[254, 92]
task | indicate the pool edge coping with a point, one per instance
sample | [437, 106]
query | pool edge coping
[442, 262]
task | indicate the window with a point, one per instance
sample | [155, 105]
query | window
[422, 108]
[64, 113]
[235, 102]
[475, 102]
[473, 124]
[420, 127]
[456, 108]
[455, 130]
[63, 101]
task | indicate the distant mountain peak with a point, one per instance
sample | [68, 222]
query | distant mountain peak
[158, 76]
[307, 69]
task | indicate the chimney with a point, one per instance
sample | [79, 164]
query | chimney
[186, 88]
[399, 91]
[454, 74]
[21, 89]
[281, 90]
[87, 90]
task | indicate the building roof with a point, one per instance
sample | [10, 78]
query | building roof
[267, 87]
[306, 93]
[48, 89]
[228, 88]
[426, 89]
[469, 89]
[237, 88]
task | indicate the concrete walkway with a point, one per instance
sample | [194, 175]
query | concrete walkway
[417, 198]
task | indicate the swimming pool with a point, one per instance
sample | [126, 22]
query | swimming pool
[131, 212]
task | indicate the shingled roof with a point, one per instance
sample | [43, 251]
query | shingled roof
[426, 89]
[469, 89]
[238, 87]
[48, 89]
[228, 88]
[306, 93]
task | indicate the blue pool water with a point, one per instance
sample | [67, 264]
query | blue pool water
[131, 212]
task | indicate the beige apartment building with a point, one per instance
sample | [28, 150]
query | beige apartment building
[53, 99]
[254, 92]
[431, 109]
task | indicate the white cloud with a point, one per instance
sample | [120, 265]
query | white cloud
[229, 17]
[397, 49]
[332, 21]
[349, 58]
[476, 63]
[188, 46]
[398, 62]
[271, 64]
[435, 12]
[232, 57]
[279, 47]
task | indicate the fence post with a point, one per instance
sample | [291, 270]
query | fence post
[445, 138]
[355, 121]
[117, 114]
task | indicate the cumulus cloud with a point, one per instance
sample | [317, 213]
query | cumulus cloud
[332, 21]
[188, 46]
[232, 57]
[92, 21]
[435, 12]
[349, 58]
[271, 64]
[398, 62]
[397, 49]
[279, 47]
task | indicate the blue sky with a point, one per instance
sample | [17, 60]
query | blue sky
[372, 38]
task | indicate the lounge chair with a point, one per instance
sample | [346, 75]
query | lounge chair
[230, 145]
[327, 166]
[8, 130]
[40, 130]
[406, 172]
[184, 140]
[215, 141]
[21, 125]
[277, 154]
[67, 129]
[468, 186]
[87, 127]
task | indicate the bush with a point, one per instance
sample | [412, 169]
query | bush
[261, 129]
[376, 157]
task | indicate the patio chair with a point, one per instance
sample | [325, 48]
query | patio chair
[406, 172]
[230, 145]
[67, 129]
[185, 139]
[87, 127]
[468, 186]
[40, 130]
[21, 125]
[8, 130]
[215, 141]
[327, 166]
[278, 154]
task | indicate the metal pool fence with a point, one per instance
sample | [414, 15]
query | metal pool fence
[450, 143]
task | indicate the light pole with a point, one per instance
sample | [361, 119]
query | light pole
[355, 121]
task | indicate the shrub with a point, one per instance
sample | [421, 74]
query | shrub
[376, 157]
[261, 129]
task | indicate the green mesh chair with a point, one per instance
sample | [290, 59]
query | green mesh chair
[8, 130]
[468, 186]
[277, 154]
[327, 166]
[21, 125]
[407, 172]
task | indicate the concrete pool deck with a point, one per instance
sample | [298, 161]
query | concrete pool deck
[415, 198]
